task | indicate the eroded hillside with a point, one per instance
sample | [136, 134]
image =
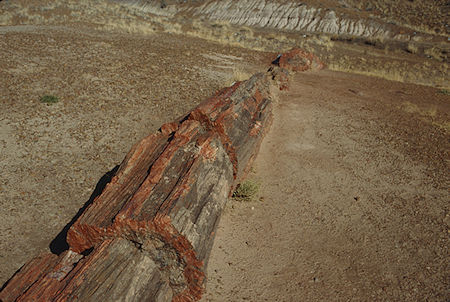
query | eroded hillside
[372, 39]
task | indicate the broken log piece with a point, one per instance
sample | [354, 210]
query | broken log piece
[27, 276]
[191, 191]
[116, 270]
[130, 175]
[298, 60]
[280, 76]
[40, 277]
[176, 208]
[240, 114]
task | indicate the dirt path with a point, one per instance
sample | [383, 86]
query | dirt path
[354, 178]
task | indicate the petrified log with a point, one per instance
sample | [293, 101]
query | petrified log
[34, 270]
[116, 270]
[239, 124]
[148, 235]
[294, 60]
[298, 60]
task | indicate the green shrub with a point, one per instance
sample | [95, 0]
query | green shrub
[246, 191]
[49, 99]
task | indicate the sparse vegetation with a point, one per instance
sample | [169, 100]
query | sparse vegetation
[324, 41]
[238, 76]
[435, 53]
[412, 48]
[49, 99]
[122, 17]
[246, 191]
[444, 91]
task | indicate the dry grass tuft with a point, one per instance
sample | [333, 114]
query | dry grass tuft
[444, 91]
[5, 18]
[246, 191]
[412, 48]
[49, 99]
[238, 75]
[392, 74]
[436, 53]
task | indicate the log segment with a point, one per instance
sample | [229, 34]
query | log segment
[116, 270]
[240, 125]
[298, 60]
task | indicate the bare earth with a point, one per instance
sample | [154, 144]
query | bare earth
[354, 194]
[354, 173]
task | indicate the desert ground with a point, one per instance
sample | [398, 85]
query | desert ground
[353, 203]
[354, 183]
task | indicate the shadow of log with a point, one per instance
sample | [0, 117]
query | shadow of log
[59, 244]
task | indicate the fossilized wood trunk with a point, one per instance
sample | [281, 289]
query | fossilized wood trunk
[148, 235]
[116, 270]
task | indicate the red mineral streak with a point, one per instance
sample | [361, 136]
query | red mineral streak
[162, 226]
[169, 128]
[27, 276]
[184, 134]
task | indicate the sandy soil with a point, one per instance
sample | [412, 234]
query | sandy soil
[353, 203]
